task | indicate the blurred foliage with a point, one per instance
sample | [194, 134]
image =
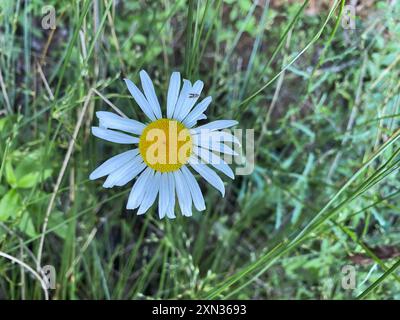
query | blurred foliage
[323, 117]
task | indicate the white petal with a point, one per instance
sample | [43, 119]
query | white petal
[197, 111]
[113, 163]
[163, 199]
[183, 193]
[114, 136]
[140, 99]
[209, 175]
[194, 122]
[211, 158]
[217, 147]
[171, 202]
[191, 100]
[151, 194]
[216, 136]
[101, 124]
[139, 189]
[109, 120]
[194, 188]
[206, 155]
[173, 93]
[121, 176]
[187, 86]
[215, 125]
[150, 93]
[225, 169]
[131, 173]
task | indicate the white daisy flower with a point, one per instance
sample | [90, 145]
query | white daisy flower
[165, 148]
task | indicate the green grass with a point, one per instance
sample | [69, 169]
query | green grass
[324, 105]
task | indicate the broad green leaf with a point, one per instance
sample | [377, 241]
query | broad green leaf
[29, 180]
[3, 122]
[56, 220]
[26, 225]
[9, 205]
[28, 170]
[10, 174]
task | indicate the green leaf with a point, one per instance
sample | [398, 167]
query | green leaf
[31, 179]
[28, 171]
[26, 225]
[10, 174]
[56, 220]
[3, 122]
[9, 205]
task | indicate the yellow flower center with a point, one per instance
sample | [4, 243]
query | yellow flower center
[165, 145]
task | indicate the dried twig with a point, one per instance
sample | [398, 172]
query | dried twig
[34, 273]
[110, 103]
[60, 177]
[46, 84]
[3, 89]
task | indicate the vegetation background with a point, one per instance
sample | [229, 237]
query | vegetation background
[322, 98]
